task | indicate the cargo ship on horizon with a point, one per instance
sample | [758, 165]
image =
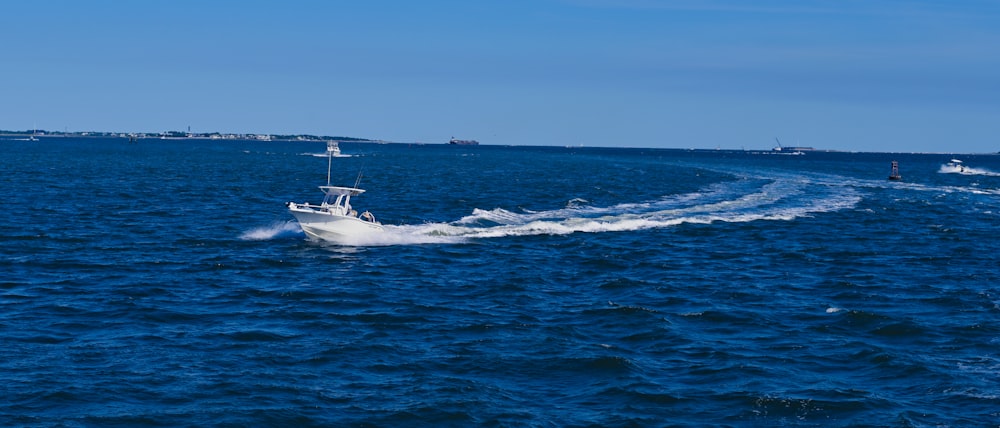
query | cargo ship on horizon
[463, 142]
[790, 150]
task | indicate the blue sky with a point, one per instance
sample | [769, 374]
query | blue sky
[876, 75]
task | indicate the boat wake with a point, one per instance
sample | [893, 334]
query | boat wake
[747, 199]
[774, 201]
[323, 155]
[736, 202]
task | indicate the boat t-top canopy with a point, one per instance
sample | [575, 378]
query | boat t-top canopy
[339, 197]
[341, 191]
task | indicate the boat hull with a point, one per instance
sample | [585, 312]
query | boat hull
[332, 227]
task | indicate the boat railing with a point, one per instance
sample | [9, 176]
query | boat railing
[366, 216]
[337, 209]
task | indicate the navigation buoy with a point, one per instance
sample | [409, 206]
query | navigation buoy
[894, 175]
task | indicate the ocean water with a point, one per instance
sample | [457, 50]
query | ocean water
[164, 284]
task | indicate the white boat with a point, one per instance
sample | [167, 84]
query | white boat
[332, 150]
[334, 219]
[955, 166]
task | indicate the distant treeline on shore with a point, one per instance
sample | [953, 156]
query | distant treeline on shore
[178, 135]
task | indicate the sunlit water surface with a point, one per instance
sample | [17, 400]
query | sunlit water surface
[164, 284]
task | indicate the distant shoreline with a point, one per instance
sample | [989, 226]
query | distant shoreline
[175, 135]
[216, 136]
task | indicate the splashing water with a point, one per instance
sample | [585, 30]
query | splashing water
[274, 231]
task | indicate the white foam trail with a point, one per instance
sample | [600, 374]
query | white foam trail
[778, 200]
[323, 155]
[671, 203]
[947, 189]
[275, 230]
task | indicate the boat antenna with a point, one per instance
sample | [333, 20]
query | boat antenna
[360, 174]
[329, 164]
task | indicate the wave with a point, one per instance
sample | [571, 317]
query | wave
[973, 189]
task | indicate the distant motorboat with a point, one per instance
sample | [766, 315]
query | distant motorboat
[334, 220]
[333, 150]
[955, 165]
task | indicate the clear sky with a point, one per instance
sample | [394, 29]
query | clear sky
[868, 75]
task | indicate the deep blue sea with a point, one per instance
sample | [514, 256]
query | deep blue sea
[164, 284]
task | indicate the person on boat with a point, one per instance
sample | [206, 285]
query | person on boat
[367, 216]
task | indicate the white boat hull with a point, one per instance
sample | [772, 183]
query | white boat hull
[333, 227]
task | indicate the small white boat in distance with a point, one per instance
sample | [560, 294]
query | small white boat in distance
[333, 149]
[334, 219]
[956, 165]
